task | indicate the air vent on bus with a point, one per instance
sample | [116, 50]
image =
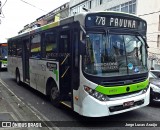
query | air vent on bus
[123, 82]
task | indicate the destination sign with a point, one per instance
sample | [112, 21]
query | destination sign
[114, 21]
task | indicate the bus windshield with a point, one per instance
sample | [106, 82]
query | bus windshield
[114, 55]
[3, 52]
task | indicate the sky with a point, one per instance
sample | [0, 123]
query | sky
[18, 13]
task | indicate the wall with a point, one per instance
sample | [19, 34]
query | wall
[149, 8]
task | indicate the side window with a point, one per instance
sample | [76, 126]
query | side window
[10, 48]
[36, 46]
[19, 49]
[51, 45]
[65, 43]
[14, 48]
[76, 48]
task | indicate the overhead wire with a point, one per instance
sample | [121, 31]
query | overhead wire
[3, 16]
[150, 13]
[3, 4]
[33, 5]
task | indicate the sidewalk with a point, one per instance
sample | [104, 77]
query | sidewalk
[13, 110]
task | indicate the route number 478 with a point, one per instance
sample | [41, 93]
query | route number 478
[100, 20]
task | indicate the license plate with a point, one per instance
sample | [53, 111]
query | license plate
[128, 104]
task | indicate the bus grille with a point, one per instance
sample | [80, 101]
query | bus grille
[124, 94]
[123, 82]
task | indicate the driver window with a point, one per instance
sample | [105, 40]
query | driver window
[97, 48]
[117, 45]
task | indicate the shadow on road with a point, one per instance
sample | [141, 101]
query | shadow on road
[155, 104]
[108, 121]
[32, 90]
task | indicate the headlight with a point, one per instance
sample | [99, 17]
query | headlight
[155, 87]
[145, 90]
[95, 94]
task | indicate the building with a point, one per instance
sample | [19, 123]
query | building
[149, 11]
[77, 6]
[55, 15]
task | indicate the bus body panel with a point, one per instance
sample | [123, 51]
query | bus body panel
[40, 72]
[13, 64]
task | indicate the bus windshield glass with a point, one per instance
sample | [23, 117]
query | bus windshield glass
[3, 52]
[114, 55]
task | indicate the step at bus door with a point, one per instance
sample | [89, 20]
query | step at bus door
[25, 59]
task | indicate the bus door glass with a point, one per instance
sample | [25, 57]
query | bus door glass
[65, 61]
[26, 46]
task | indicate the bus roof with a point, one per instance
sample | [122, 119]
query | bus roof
[78, 17]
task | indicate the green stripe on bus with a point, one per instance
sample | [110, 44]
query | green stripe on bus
[113, 90]
[3, 61]
[50, 25]
[56, 73]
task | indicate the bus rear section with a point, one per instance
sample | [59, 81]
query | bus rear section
[3, 55]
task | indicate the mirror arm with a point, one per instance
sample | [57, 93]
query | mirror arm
[83, 29]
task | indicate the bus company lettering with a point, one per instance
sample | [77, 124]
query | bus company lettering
[124, 23]
[141, 124]
[51, 66]
[113, 91]
[106, 66]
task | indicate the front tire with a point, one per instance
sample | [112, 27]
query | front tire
[54, 94]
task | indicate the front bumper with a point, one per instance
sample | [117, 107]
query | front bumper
[94, 108]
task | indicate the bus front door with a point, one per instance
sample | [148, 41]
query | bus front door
[25, 59]
[65, 64]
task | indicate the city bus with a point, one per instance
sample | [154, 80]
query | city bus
[3, 55]
[94, 62]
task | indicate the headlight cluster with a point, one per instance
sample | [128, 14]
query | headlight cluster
[145, 90]
[95, 94]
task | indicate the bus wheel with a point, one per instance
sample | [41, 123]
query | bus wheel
[54, 95]
[18, 81]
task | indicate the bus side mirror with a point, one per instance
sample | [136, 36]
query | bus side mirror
[84, 43]
[83, 47]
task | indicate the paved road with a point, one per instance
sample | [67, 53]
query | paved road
[65, 116]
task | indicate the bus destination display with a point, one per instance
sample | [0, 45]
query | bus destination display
[114, 21]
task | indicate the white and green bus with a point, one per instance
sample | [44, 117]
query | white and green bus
[3, 55]
[93, 62]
